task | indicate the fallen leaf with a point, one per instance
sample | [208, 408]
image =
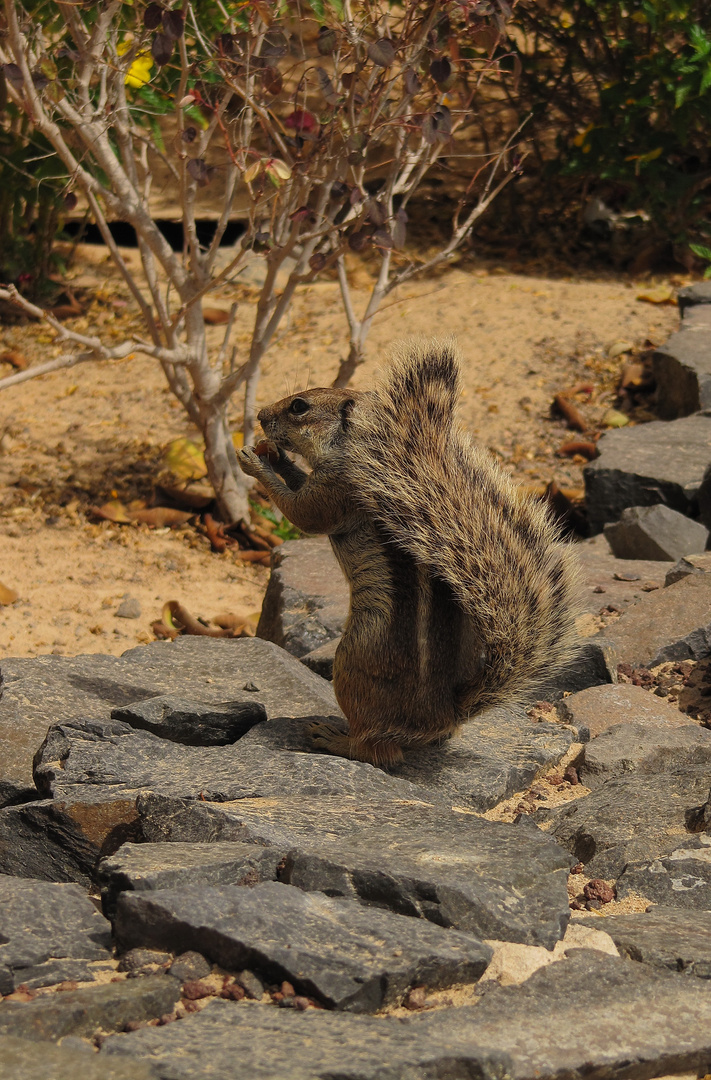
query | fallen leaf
[238, 439]
[262, 557]
[194, 496]
[618, 348]
[179, 620]
[614, 419]
[586, 449]
[573, 416]
[660, 294]
[633, 375]
[215, 533]
[160, 516]
[232, 620]
[185, 460]
[114, 510]
[214, 316]
[14, 358]
[7, 596]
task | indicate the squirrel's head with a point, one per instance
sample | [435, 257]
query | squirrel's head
[312, 423]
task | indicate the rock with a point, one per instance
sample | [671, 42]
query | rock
[63, 840]
[600, 708]
[192, 722]
[704, 498]
[24, 1060]
[414, 856]
[41, 691]
[144, 961]
[691, 295]
[669, 624]
[190, 965]
[595, 665]
[690, 564]
[495, 754]
[348, 956]
[660, 462]
[608, 580]
[592, 1015]
[48, 933]
[629, 819]
[98, 761]
[251, 985]
[321, 660]
[664, 938]
[682, 366]
[12, 793]
[645, 748]
[148, 867]
[512, 964]
[129, 608]
[655, 532]
[307, 598]
[91, 1009]
[681, 879]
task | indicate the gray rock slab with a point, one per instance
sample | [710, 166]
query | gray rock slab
[630, 819]
[663, 938]
[346, 955]
[495, 754]
[594, 665]
[307, 598]
[660, 462]
[599, 708]
[321, 659]
[25, 1060]
[691, 295]
[48, 933]
[416, 857]
[669, 624]
[655, 532]
[690, 564]
[681, 879]
[149, 867]
[192, 722]
[591, 1015]
[93, 761]
[45, 690]
[644, 748]
[12, 792]
[607, 580]
[682, 366]
[89, 1010]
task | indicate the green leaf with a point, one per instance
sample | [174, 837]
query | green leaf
[157, 134]
[682, 93]
[705, 80]
[702, 251]
[319, 9]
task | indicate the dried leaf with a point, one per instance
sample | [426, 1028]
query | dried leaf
[359, 240]
[326, 40]
[14, 358]
[70, 201]
[237, 621]
[382, 52]
[252, 172]
[178, 620]
[192, 496]
[48, 68]
[274, 45]
[583, 447]
[7, 595]
[173, 24]
[162, 49]
[189, 135]
[618, 348]
[634, 376]
[440, 70]
[328, 91]
[185, 459]
[114, 510]
[382, 238]
[272, 80]
[573, 416]
[161, 516]
[301, 121]
[317, 261]
[377, 214]
[262, 557]
[199, 171]
[660, 294]
[443, 119]
[339, 191]
[412, 83]
[153, 16]
[13, 75]
[214, 316]
[614, 419]
[279, 168]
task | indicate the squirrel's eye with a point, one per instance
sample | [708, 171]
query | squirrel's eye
[299, 406]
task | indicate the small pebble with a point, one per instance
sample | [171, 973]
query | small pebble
[195, 989]
[190, 965]
[251, 687]
[144, 959]
[571, 775]
[416, 998]
[251, 985]
[599, 890]
[129, 608]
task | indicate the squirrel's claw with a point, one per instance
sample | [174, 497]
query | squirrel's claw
[250, 462]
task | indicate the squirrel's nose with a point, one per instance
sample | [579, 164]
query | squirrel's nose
[262, 415]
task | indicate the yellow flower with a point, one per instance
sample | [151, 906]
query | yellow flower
[582, 136]
[139, 73]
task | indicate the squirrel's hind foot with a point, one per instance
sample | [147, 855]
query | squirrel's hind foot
[329, 739]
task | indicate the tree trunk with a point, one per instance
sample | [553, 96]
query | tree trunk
[356, 356]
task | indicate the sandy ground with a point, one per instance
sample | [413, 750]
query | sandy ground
[96, 432]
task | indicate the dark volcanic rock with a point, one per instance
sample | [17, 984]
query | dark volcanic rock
[25, 1060]
[681, 879]
[669, 624]
[644, 748]
[495, 754]
[600, 708]
[12, 793]
[630, 818]
[663, 938]
[306, 602]
[590, 1015]
[42, 691]
[192, 722]
[148, 867]
[682, 366]
[655, 532]
[348, 956]
[91, 1009]
[602, 586]
[48, 933]
[412, 855]
[661, 462]
[595, 665]
[321, 660]
[690, 295]
[690, 564]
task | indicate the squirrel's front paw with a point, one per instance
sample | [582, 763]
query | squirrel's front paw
[251, 463]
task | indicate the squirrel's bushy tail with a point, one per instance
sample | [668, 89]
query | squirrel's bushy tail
[453, 509]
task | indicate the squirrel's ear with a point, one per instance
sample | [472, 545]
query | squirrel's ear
[345, 410]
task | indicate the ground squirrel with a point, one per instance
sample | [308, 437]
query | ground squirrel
[462, 595]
